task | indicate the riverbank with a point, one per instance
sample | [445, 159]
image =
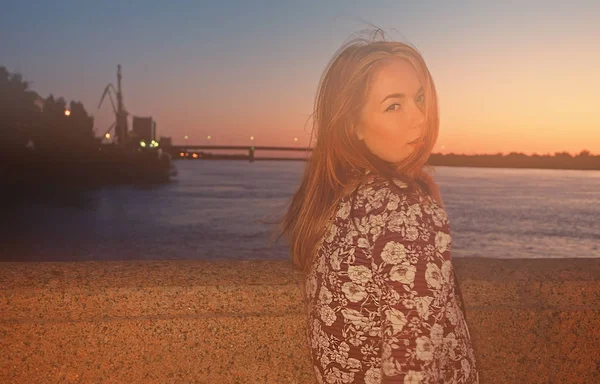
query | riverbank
[27, 171]
[533, 321]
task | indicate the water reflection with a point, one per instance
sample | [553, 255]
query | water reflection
[213, 209]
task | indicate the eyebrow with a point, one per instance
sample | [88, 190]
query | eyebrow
[399, 95]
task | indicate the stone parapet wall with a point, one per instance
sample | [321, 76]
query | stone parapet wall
[182, 321]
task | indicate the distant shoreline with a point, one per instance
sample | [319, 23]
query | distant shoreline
[591, 163]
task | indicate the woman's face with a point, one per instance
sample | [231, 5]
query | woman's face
[392, 118]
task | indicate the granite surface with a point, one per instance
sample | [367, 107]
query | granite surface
[531, 320]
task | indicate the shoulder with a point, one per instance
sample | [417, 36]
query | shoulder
[377, 187]
[383, 202]
[387, 195]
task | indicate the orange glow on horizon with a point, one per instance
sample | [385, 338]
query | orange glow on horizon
[494, 97]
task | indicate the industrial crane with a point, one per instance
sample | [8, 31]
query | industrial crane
[120, 123]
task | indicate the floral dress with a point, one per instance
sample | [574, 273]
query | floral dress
[381, 300]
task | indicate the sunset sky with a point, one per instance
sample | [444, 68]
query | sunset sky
[518, 76]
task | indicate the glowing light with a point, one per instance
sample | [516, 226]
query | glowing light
[195, 155]
[208, 137]
[295, 139]
[185, 137]
[251, 137]
[143, 144]
[181, 154]
[107, 135]
[67, 112]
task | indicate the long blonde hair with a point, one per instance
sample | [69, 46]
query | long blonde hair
[339, 160]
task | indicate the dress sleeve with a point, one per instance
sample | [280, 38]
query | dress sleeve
[411, 274]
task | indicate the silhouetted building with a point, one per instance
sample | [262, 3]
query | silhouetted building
[144, 128]
[165, 141]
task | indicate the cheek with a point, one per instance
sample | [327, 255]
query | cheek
[387, 128]
[386, 139]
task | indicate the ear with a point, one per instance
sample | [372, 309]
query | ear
[359, 132]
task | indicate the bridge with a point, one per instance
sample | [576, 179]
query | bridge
[196, 152]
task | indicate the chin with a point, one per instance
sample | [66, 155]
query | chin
[392, 155]
[395, 159]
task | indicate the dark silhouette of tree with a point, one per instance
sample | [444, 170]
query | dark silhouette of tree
[18, 111]
[560, 160]
[585, 153]
[563, 155]
[22, 120]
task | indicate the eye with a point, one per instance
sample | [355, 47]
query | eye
[421, 99]
[393, 107]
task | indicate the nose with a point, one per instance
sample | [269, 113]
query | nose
[417, 119]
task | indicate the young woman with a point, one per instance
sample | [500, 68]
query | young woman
[369, 229]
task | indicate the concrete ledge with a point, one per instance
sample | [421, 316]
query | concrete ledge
[532, 320]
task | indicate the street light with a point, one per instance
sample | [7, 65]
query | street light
[107, 136]
[185, 137]
[295, 139]
[67, 112]
[251, 137]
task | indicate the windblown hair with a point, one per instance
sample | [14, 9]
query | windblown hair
[339, 159]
